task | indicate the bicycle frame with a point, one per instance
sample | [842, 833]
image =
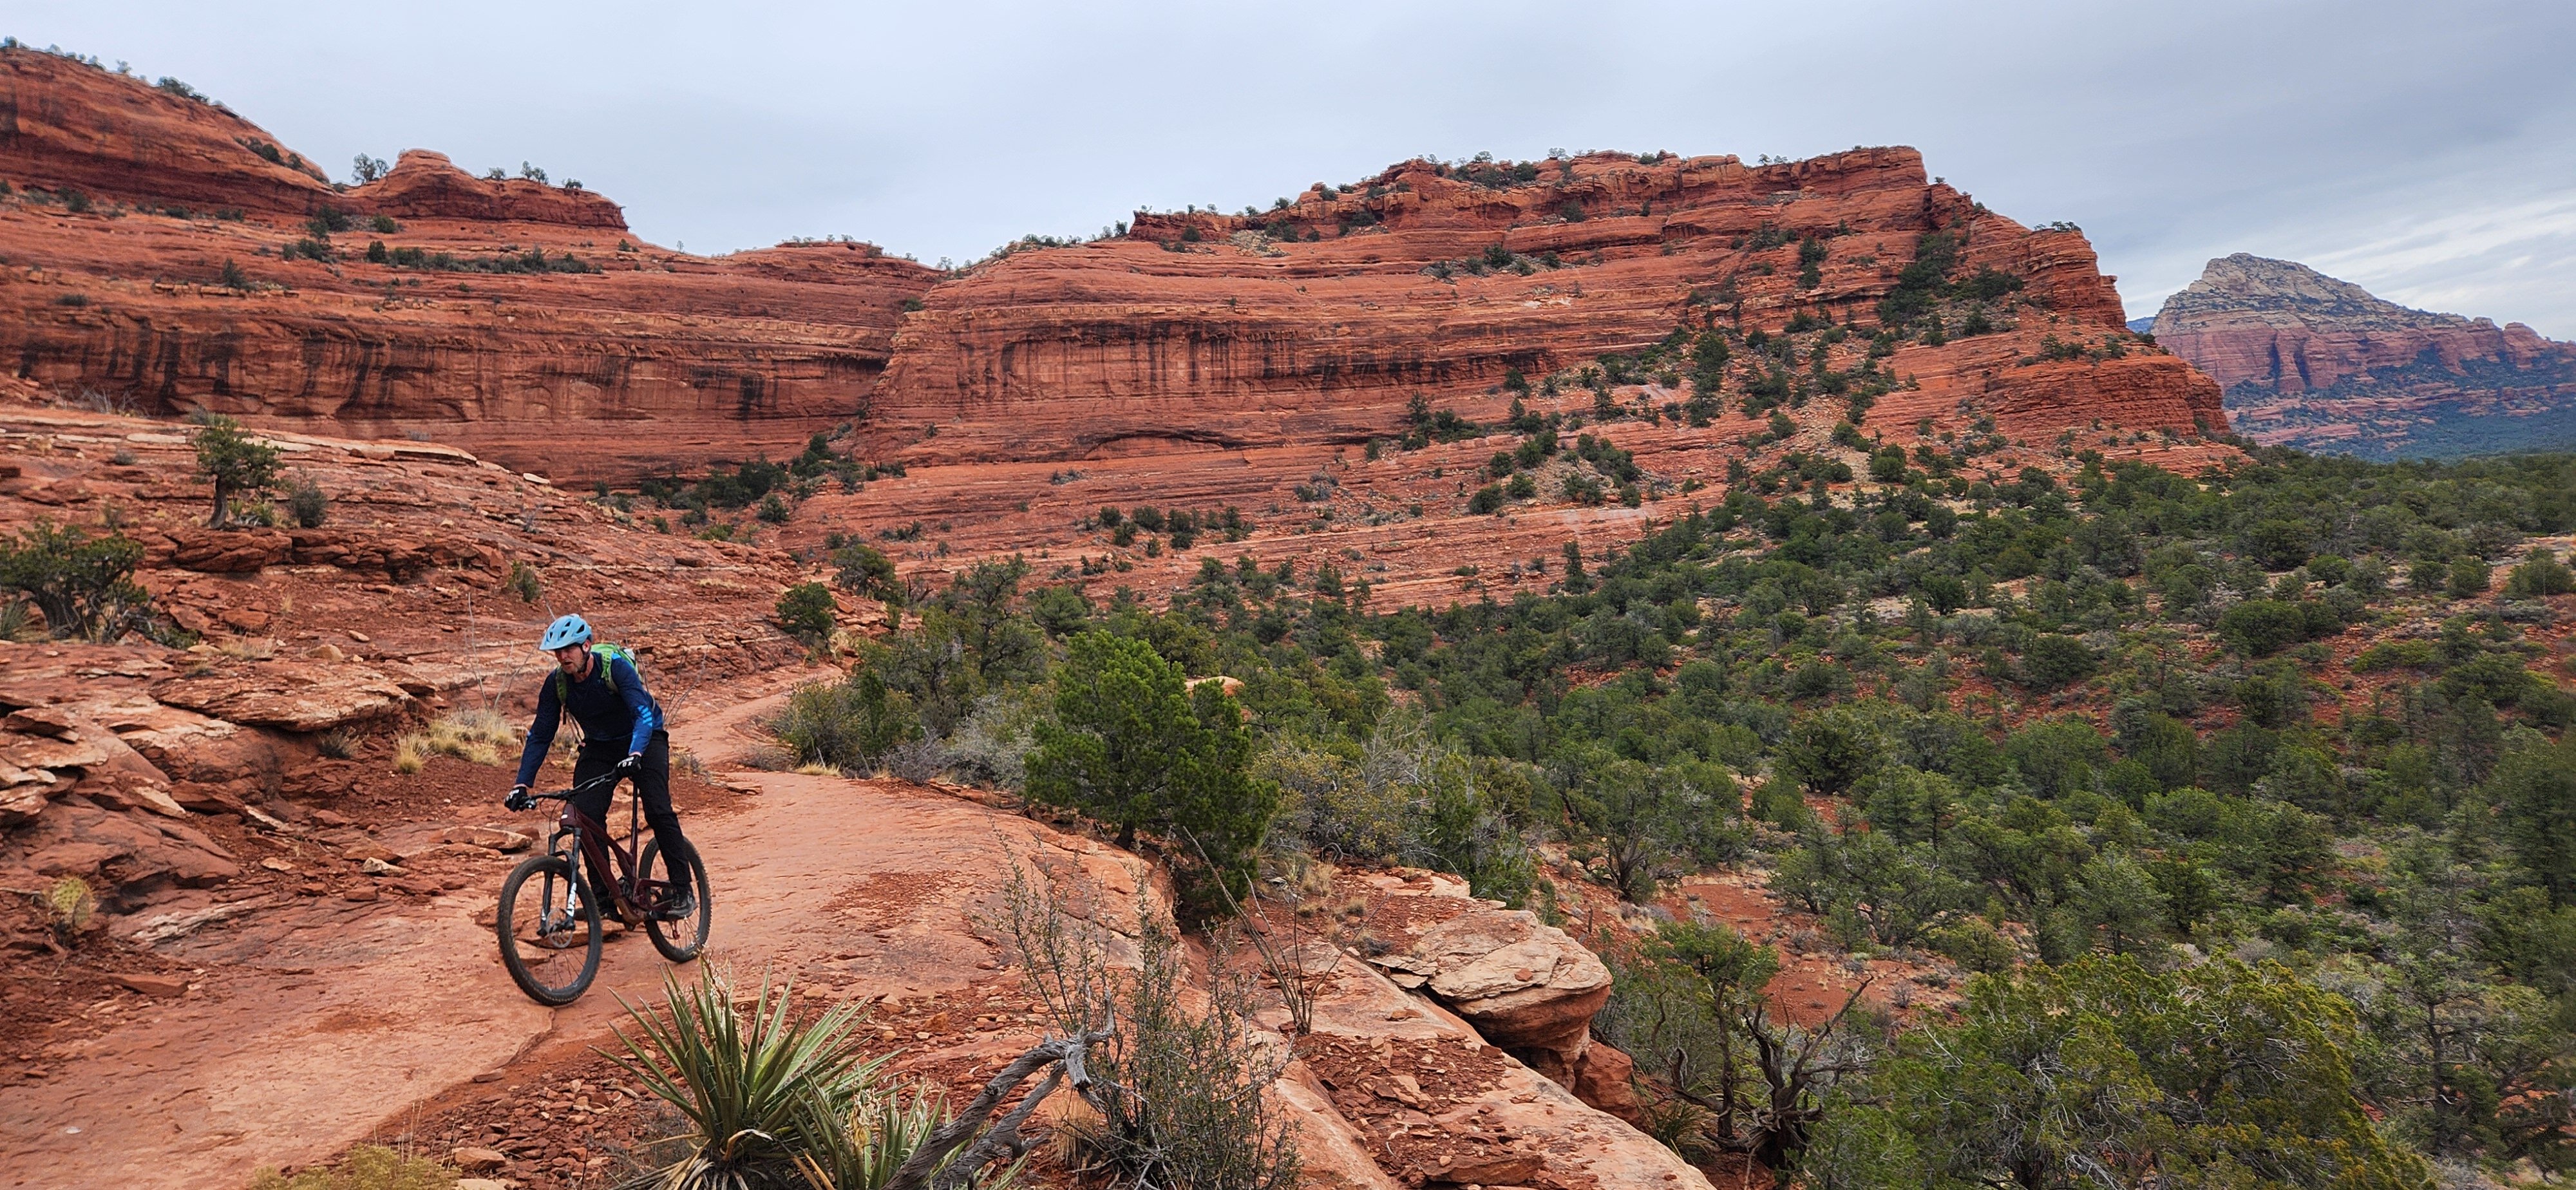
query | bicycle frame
[602, 854]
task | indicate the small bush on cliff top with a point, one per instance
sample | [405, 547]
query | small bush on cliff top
[236, 462]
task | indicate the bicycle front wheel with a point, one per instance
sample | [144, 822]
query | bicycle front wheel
[679, 939]
[551, 955]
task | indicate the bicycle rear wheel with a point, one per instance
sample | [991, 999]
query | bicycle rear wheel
[680, 940]
[551, 956]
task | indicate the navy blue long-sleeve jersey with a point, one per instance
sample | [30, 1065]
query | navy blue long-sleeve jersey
[609, 704]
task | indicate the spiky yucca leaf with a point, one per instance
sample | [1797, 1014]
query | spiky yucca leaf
[749, 1079]
[861, 1147]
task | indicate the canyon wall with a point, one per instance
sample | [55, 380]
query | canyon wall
[1319, 320]
[2310, 361]
[157, 262]
[164, 255]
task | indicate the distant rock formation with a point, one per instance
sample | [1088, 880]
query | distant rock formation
[2321, 364]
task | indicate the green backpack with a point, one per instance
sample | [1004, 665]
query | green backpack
[601, 655]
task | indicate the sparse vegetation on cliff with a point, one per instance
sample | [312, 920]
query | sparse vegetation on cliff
[2010, 721]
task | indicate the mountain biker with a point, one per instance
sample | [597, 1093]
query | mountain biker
[621, 728]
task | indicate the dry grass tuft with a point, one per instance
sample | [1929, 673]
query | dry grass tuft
[248, 648]
[473, 734]
[339, 743]
[367, 1167]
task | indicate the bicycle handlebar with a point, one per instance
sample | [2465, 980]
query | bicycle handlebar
[564, 795]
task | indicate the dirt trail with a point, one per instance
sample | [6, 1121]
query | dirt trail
[319, 1022]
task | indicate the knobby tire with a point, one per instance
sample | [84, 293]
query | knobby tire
[679, 941]
[546, 884]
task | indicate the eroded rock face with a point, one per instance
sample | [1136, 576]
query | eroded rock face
[78, 127]
[2311, 361]
[1193, 335]
[1209, 332]
[426, 185]
[1436, 1104]
[1523, 985]
[293, 695]
[146, 853]
[553, 371]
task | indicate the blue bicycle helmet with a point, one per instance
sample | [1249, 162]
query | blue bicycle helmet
[569, 630]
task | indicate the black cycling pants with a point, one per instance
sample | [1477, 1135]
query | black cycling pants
[652, 785]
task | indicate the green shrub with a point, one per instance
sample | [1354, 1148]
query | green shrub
[1136, 750]
[234, 461]
[1974, 943]
[524, 582]
[2541, 574]
[847, 725]
[84, 586]
[862, 569]
[307, 503]
[2467, 578]
[2051, 661]
[805, 611]
[2262, 627]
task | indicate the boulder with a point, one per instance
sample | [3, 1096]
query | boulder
[1605, 1078]
[472, 1159]
[1524, 985]
[1473, 1116]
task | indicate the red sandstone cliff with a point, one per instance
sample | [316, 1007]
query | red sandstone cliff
[64, 124]
[514, 318]
[643, 361]
[1317, 322]
[2310, 361]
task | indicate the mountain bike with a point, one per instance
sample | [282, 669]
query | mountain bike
[549, 922]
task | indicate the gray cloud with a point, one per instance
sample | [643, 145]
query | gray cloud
[2424, 151]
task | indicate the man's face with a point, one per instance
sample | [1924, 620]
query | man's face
[571, 657]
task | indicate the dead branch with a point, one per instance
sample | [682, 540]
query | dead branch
[1063, 1059]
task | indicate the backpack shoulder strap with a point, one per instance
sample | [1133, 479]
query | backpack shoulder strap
[603, 653]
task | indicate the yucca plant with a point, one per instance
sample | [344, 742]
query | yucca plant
[750, 1080]
[861, 1146]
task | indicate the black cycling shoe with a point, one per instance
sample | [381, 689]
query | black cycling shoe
[682, 906]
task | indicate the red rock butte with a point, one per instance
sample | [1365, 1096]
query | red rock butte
[2310, 361]
[165, 255]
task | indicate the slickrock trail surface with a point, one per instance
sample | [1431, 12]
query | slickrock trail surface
[318, 1022]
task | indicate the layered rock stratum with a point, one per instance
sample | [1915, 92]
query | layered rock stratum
[2322, 364]
[524, 322]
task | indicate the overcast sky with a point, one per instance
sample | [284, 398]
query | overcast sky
[2426, 151]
